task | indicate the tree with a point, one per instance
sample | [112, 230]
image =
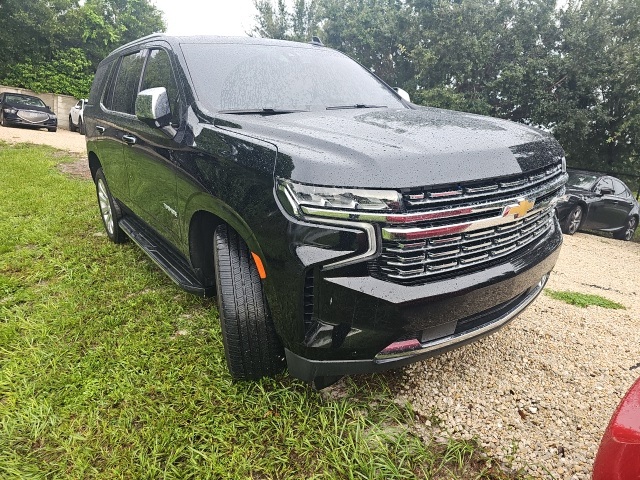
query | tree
[572, 71]
[56, 45]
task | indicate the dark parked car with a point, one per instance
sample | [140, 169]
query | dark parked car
[26, 110]
[598, 202]
[343, 228]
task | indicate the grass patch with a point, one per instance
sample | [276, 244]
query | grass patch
[583, 299]
[107, 370]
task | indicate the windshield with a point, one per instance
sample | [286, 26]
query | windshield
[581, 180]
[281, 77]
[24, 100]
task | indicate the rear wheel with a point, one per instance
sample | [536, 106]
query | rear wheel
[251, 345]
[628, 231]
[573, 221]
[72, 127]
[109, 209]
[81, 126]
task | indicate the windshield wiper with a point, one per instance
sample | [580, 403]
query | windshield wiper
[357, 105]
[262, 111]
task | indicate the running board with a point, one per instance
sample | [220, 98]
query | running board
[165, 257]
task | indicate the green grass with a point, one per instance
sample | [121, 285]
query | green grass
[107, 370]
[583, 299]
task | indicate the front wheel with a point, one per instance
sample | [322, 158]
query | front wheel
[81, 127]
[573, 221]
[628, 231]
[109, 209]
[251, 345]
[72, 127]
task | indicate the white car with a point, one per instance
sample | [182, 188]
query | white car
[76, 117]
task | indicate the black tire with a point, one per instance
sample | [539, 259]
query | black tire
[628, 231]
[251, 345]
[72, 127]
[81, 126]
[110, 211]
[3, 122]
[53, 129]
[572, 223]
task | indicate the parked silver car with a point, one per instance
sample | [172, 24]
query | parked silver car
[76, 117]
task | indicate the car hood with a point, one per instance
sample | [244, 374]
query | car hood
[32, 108]
[388, 148]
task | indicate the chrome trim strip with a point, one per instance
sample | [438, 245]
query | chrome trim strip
[404, 218]
[474, 332]
[518, 190]
[417, 233]
[371, 238]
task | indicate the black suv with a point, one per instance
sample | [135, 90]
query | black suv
[343, 228]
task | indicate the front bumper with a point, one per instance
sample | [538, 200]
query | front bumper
[361, 324]
[14, 119]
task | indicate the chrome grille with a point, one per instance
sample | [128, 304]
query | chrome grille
[33, 117]
[449, 230]
[413, 260]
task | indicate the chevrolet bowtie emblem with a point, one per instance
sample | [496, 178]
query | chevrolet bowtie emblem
[519, 210]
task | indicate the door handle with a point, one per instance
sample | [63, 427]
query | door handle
[100, 129]
[129, 139]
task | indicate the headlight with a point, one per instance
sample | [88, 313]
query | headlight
[338, 202]
[52, 117]
[10, 110]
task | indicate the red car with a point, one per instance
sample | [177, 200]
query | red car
[618, 457]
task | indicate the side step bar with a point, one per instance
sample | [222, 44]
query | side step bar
[165, 257]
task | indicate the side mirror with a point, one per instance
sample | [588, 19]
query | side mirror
[605, 191]
[403, 94]
[152, 107]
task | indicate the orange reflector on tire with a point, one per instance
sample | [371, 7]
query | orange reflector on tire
[259, 265]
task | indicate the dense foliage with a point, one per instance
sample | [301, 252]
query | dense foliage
[56, 45]
[572, 70]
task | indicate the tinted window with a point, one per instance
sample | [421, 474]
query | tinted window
[127, 82]
[619, 188]
[581, 180]
[605, 183]
[158, 73]
[26, 100]
[107, 97]
[247, 76]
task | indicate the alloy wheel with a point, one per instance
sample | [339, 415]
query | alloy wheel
[631, 228]
[576, 218]
[105, 206]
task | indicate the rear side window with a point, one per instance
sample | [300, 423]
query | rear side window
[619, 188]
[605, 183]
[158, 73]
[127, 82]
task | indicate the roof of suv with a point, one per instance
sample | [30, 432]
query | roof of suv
[178, 39]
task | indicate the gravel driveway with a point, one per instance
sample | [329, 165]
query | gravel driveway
[539, 393]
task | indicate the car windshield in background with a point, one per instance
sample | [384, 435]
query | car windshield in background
[24, 100]
[249, 78]
[581, 180]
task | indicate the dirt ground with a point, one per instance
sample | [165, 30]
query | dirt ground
[62, 139]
